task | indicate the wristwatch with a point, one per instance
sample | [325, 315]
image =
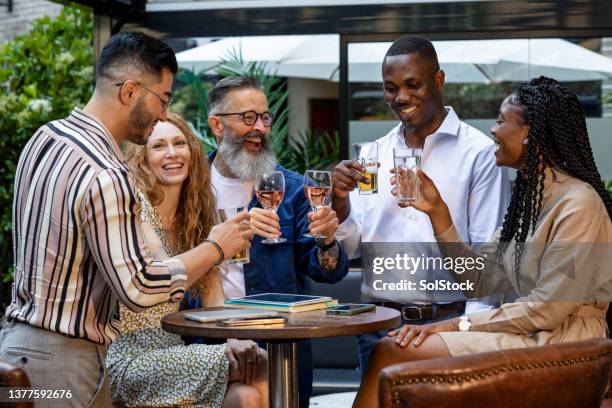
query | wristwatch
[464, 323]
[321, 244]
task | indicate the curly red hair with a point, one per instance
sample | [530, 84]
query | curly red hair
[196, 214]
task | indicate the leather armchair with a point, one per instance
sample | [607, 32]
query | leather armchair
[556, 376]
[14, 377]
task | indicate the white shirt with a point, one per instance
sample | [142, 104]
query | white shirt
[460, 160]
[231, 195]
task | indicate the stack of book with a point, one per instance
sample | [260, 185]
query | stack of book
[282, 302]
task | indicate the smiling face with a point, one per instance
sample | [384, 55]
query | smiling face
[168, 154]
[509, 134]
[253, 138]
[412, 88]
[245, 149]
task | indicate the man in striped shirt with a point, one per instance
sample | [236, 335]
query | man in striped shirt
[78, 243]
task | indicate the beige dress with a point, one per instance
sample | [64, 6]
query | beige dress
[564, 285]
[149, 367]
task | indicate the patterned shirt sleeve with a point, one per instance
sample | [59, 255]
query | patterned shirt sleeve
[114, 235]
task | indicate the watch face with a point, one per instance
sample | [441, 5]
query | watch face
[464, 325]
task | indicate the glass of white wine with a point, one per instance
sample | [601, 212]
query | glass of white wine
[270, 190]
[318, 189]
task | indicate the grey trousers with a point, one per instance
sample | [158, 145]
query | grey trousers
[54, 361]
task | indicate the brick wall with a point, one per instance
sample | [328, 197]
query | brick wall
[24, 11]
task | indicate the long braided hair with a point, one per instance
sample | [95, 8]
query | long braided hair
[557, 137]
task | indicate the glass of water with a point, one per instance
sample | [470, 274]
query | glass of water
[406, 162]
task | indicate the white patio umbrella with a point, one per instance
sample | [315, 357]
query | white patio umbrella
[362, 67]
[301, 56]
[308, 56]
[474, 61]
[528, 58]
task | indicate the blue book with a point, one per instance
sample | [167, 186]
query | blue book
[283, 302]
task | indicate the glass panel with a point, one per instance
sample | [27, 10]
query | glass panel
[480, 73]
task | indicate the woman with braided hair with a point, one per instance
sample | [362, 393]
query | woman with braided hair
[550, 250]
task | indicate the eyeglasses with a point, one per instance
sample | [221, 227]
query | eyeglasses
[164, 101]
[250, 117]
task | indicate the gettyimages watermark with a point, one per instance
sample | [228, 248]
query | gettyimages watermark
[449, 272]
[411, 265]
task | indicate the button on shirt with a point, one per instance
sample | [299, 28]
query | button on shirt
[78, 244]
[460, 160]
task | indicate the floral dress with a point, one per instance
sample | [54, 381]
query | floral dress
[149, 367]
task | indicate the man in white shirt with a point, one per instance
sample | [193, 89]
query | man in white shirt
[460, 160]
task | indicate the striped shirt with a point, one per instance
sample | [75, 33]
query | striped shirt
[77, 242]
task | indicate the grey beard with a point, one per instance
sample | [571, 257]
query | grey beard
[243, 164]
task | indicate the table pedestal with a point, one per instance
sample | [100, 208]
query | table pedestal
[283, 378]
[282, 341]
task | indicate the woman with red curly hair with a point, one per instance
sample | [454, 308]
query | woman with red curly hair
[148, 366]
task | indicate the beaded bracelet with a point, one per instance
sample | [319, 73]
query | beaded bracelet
[221, 254]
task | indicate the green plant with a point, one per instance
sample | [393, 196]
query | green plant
[43, 75]
[608, 185]
[311, 149]
[190, 101]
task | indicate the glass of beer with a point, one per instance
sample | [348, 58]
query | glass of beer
[318, 189]
[366, 154]
[242, 257]
[270, 190]
[406, 162]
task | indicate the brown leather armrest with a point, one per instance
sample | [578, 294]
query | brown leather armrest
[561, 375]
[11, 376]
[14, 377]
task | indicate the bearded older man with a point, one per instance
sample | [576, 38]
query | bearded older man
[240, 120]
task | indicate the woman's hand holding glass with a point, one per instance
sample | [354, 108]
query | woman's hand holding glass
[429, 201]
[233, 235]
[429, 196]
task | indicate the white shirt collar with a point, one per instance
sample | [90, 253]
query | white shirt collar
[225, 180]
[450, 126]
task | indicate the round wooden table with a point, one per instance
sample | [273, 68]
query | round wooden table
[282, 341]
